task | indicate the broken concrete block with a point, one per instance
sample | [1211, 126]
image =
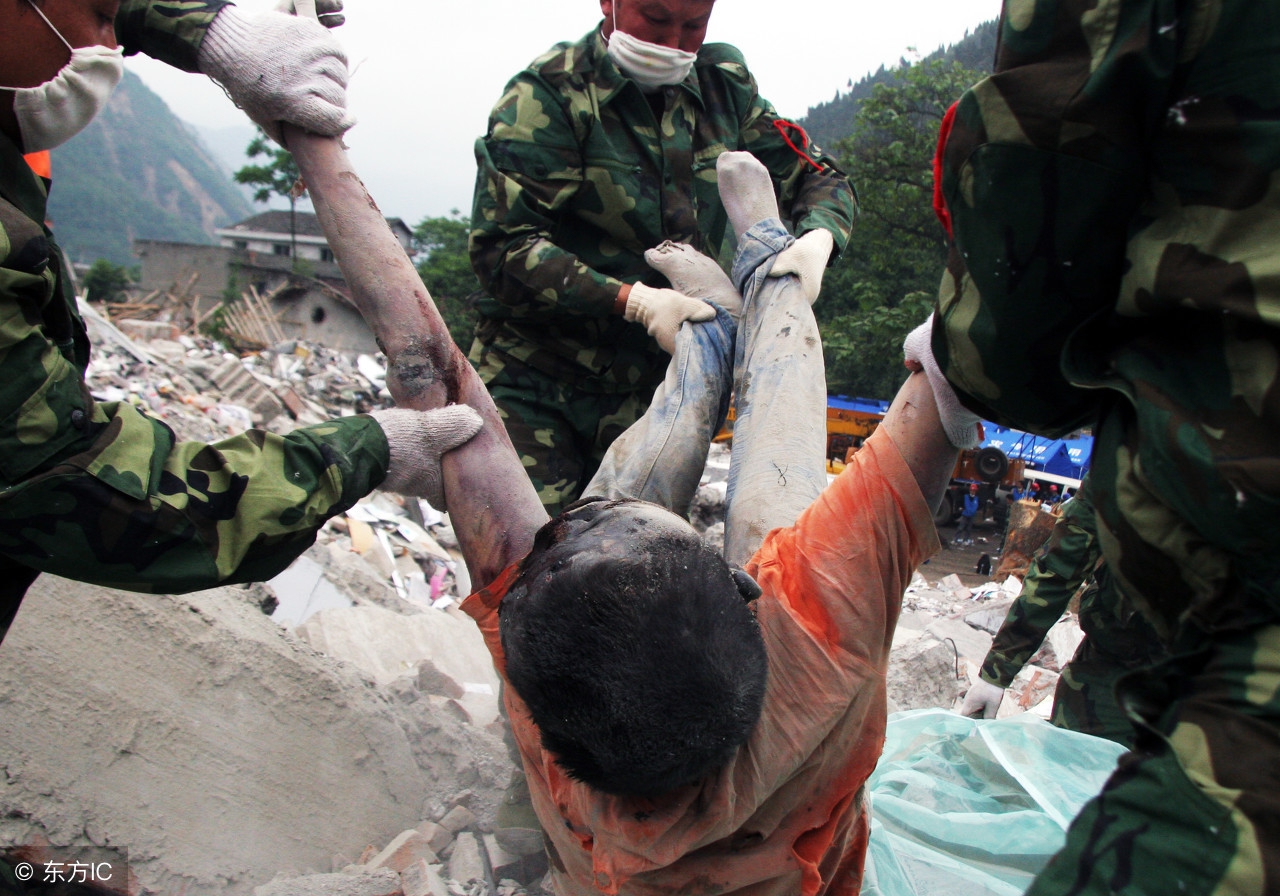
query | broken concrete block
[457, 818]
[1064, 638]
[952, 584]
[506, 863]
[422, 879]
[387, 645]
[437, 837]
[991, 617]
[922, 675]
[408, 847]
[373, 883]
[465, 863]
[971, 644]
[240, 386]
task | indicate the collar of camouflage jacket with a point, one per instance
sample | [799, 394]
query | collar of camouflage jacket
[18, 183]
[610, 82]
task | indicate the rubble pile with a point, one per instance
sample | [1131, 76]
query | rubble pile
[451, 856]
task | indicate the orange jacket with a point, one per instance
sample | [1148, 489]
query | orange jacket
[786, 814]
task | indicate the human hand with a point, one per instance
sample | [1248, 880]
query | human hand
[961, 424]
[663, 311]
[328, 12]
[279, 68]
[807, 258]
[982, 700]
[417, 440]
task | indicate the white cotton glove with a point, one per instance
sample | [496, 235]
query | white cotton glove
[279, 68]
[960, 423]
[662, 311]
[807, 258]
[329, 12]
[983, 698]
[417, 440]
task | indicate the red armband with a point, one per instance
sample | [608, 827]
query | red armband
[939, 202]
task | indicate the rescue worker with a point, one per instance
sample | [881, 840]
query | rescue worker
[100, 491]
[1117, 640]
[1113, 192]
[597, 151]
[685, 725]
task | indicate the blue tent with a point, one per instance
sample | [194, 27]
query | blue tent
[1040, 454]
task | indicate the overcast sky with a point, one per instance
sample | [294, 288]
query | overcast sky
[426, 73]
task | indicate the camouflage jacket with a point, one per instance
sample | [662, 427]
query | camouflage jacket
[1119, 169]
[102, 492]
[1070, 558]
[168, 30]
[578, 176]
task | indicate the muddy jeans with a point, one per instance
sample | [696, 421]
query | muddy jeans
[771, 361]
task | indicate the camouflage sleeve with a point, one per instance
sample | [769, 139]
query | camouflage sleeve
[168, 30]
[529, 166]
[1041, 173]
[136, 510]
[103, 493]
[814, 192]
[1064, 562]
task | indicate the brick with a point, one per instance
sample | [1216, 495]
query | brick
[457, 818]
[465, 863]
[438, 838]
[408, 847]
[423, 879]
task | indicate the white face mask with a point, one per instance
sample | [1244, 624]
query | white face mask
[650, 65]
[52, 113]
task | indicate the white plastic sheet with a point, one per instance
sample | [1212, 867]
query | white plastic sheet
[969, 807]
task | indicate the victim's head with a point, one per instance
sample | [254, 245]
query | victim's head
[634, 647]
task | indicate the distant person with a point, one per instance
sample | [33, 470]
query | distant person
[969, 510]
[596, 152]
[1117, 638]
[100, 491]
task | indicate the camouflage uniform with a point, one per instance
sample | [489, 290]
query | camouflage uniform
[1115, 194]
[101, 492]
[1117, 637]
[578, 175]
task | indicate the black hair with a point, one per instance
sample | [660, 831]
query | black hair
[635, 651]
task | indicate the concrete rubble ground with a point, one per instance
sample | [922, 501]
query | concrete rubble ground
[333, 732]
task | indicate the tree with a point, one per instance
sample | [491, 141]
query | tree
[885, 284]
[278, 176]
[446, 272]
[106, 282]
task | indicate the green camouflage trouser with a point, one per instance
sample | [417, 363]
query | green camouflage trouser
[1085, 700]
[561, 433]
[1194, 808]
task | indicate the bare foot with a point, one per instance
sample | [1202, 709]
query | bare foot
[746, 189]
[694, 274]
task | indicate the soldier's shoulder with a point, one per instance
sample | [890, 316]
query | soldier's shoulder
[566, 61]
[721, 54]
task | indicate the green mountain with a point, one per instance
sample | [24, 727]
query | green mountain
[137, 172]
[828, 123]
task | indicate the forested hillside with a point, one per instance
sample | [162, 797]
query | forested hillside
[832, 121]
[883, 132]
[137, 172]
